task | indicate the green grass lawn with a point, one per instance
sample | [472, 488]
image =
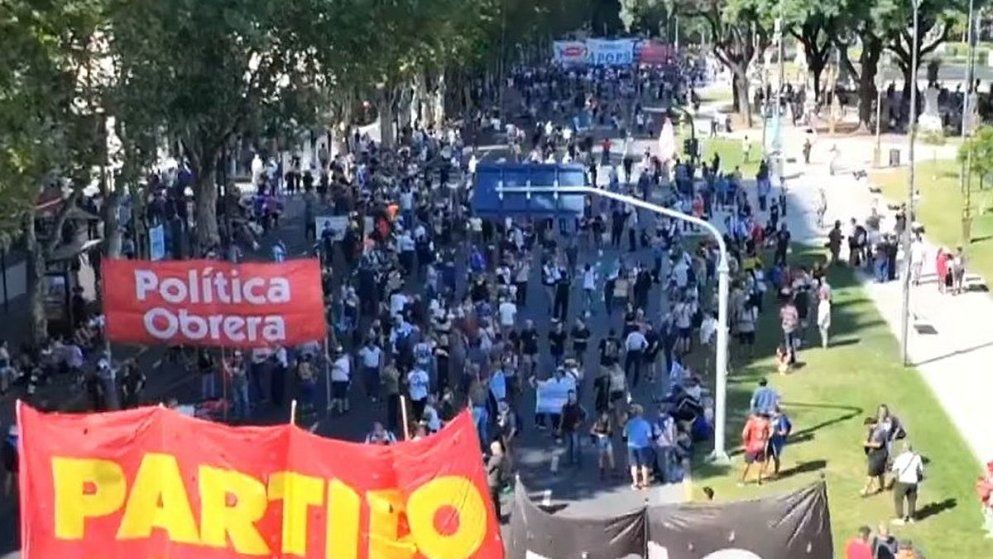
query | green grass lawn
[940, 208]
[827, 400]
[732, 154]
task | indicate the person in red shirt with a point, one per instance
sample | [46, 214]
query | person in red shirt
[755, 439]
[858, 547]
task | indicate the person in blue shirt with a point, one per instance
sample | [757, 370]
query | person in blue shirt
[781, 428]
[765, 399]
[638, 433]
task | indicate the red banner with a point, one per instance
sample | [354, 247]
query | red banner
[655, 53]
[213, 303]
[153, 484]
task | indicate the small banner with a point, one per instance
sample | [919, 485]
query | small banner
[793, 526]
[570, 53]
[654, 53]
[151, 483]
[536, 534]
[213, 303]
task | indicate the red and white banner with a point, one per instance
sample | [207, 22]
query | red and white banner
[654, 53]
[213, 303]
[570, 53]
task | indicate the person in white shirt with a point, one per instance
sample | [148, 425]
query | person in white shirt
[634, 347]
[589, 287]
[371, 357]
[683, 316]
[341, 376]
[398, 301]
[708, 329]
[908, 469]
[508, 314]
[278, 252]
[917, 255]
[417, 389]
[430, 416]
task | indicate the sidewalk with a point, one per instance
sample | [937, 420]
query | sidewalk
[950, 343]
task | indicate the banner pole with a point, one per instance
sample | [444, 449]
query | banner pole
[293, 412]
[403, 416]
[224, 385]
[327, 373]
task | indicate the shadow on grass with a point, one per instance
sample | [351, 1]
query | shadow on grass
[803, 468]
[932, 509]
[849, 413]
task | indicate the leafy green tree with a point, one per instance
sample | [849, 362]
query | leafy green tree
[936, 19]
[813, 24]
[977, 151]
[867, 23]
[740, 31]
[647, 17]
[206, 70]
[50, 129]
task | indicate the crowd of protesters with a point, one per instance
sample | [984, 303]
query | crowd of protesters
[606, 322]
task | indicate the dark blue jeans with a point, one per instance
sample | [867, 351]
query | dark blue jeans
[573, 448]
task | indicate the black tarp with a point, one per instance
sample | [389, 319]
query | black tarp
[792, 526]
[558, 537]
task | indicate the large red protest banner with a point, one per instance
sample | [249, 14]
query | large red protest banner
[213, 303]
[151, 483]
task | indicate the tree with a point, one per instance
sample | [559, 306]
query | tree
[204, 70]
[49, 127]
[813, 24]
[977, 152]
[935, 23]
[647, 17]
[740, 32]
[868, 23]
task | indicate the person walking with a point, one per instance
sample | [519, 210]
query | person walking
[789, 319]
[908, 471]
[781, 427]
[858, 547]
[602, 432]
[638, 433]
[495, 474]
[755, 439]
[573, 416]
[824, 312]
[238, 377]
[341, 377]
[635, 345]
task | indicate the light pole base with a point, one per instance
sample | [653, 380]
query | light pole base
[719, 458]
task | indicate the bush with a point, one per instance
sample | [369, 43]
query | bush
[933, 138]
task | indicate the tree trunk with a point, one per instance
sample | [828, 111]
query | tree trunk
[205, 194]
[440, 91]
[741, 92]
[36, 278]
[386, 118]
[908, 77]
[111, 226]
[817, 69]
[869, 63]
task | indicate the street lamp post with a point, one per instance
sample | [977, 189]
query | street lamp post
[965, 172]
[719, 455]
[880, 82]
[780, 35]
[911, 189]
